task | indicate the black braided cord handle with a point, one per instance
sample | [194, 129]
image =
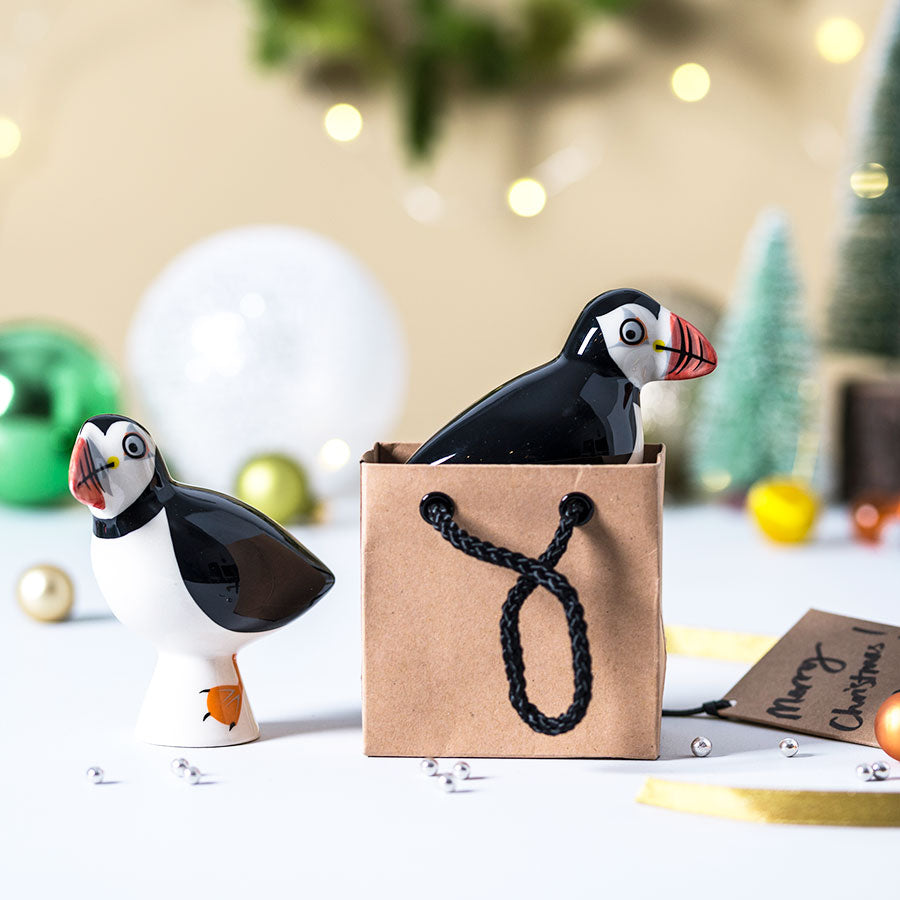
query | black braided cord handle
[574, 509]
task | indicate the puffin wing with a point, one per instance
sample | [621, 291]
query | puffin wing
[241, 568]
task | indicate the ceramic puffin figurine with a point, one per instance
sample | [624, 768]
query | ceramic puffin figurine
[198, 573]
[583, 406]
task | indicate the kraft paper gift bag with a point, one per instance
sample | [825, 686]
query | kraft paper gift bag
[434, 682]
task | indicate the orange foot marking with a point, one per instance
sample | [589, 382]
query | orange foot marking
[224, 702]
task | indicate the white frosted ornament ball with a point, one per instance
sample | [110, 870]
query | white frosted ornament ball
[267, 339]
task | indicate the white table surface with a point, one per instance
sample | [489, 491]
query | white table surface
[303, 813]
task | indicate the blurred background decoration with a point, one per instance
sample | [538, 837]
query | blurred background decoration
[429, 49]
[51, 380]
[547, 150]
[864, 313]
[267, 339]
[757, 417]
[864, 309]
[45, 593]
[278, 486]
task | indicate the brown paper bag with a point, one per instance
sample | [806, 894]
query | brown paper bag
[433, 677]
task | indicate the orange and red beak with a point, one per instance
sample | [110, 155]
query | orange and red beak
[84, 476]
[690, 353]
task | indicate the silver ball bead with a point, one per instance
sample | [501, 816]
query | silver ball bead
[864, 772]
[94, 774]
[446, 782]
[462, 770]
[193, 775]
[880, 770]
[429, 766]
[701, 746]
[180, 766]
[788, 747]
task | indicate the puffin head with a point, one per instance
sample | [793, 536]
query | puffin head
[627, 332]
[113, 462]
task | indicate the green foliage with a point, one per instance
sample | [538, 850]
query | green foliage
[428, 48]
[757, 405]
[864, 313]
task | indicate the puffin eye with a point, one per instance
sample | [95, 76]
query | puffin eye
[632, 332]
[133, 444]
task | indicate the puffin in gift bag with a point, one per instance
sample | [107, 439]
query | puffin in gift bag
[198, 573]
[583, 406]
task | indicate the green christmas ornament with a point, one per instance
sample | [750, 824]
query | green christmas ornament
[50, 382]
[277, 486]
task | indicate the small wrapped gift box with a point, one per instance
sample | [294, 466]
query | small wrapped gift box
[434, 681]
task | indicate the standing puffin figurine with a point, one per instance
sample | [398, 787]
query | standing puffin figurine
[583, 406]
[198, 573]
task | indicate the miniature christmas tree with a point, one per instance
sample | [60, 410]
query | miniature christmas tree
[754, 411]
[864, 314]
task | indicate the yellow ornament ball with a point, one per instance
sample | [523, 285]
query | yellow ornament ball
[45, 593]
[785, 509]
[277, 486]
[887, 726]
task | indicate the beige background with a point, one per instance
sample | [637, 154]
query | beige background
[146, 126]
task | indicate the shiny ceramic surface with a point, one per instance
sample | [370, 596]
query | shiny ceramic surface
[196, 572]
[583, 406]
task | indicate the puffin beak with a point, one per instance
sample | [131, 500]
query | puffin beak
[690, 353]
[84, 475]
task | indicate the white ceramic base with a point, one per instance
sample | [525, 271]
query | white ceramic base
[178, 711]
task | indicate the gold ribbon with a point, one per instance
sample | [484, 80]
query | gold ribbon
[734, 646]
[859, 808]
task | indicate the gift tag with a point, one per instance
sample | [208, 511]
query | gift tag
[827, 676]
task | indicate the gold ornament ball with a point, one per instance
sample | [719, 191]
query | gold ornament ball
[277, 486]
[45, 593]
[887, 726]
[784, 509]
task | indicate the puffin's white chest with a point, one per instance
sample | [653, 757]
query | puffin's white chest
[140, 579]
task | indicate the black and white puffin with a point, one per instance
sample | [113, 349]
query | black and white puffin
[199, 573]
[585, 404]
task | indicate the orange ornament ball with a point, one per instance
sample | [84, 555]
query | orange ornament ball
[887, 726]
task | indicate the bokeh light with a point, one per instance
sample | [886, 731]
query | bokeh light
[715, 482]
[10, 137]
[869, 181]
[424, 204]
[867, 516]
[526, 197]
[839, 40]
[334, 454]
[343, 122]
[690, 82]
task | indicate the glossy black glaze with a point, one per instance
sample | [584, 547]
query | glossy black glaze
[242, 569]
[572, 409]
